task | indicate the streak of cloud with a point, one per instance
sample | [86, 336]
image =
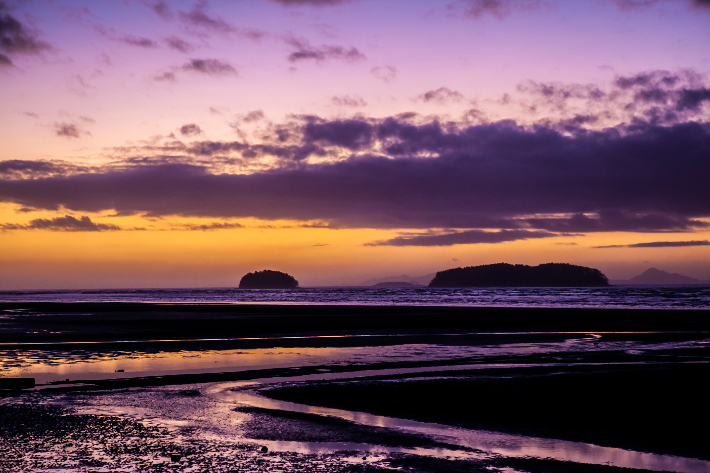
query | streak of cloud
[63, 224]
[209, 66]
[304, 51]
[661, 244]
[466, 237]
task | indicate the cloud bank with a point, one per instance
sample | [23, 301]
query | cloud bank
[63, 224]
[492, 176]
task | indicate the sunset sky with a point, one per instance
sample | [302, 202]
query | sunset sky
[150, 143]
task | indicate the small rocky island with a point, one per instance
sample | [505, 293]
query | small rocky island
[520, 275]
[268, 279]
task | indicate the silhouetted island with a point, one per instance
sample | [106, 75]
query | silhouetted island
[394, 284]
[268, 279]
[520, 275]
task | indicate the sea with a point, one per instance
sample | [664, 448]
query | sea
[648, 297]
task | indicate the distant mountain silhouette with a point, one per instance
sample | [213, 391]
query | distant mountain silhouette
[656, 276]
[396, 284]
[520, 275]
[417, 280]
[268, 279]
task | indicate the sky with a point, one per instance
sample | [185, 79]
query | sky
[150, 143]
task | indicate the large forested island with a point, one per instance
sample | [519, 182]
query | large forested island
[268, 279]
[520, 275]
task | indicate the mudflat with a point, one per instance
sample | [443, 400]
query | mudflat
[620, 378]
[658, 408]
[53, 322]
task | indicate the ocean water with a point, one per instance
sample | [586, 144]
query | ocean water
[657, 297]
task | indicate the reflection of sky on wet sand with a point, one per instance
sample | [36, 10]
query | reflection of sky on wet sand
[495, 442]
[58, 365]
[208, 411]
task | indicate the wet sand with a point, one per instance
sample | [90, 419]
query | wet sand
[627, 378]
[113, 322]
[659, 409]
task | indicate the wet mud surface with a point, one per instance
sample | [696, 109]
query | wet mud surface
[660, 409]
[637, 391]
[272, 424]
[46, 437]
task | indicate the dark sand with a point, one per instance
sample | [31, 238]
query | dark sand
[77, 322]
[589, 396]
[659, 409]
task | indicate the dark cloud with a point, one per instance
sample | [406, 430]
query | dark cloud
[666, 89]
[497, 8]
[467, 237]
[16, 169]
[209, 66]
[351, 134]
[178, 44]
[139, 41]
[668, 244]
[661, 244]
[691, 99]
[5, 61]
[645, 178]
[16, 38]
[557, 91]
[63, 224]
[190, 130]
[162, 9]
[200, 19]
[253, 116]
[349, 101]
[208, 227]
[68, 130]
[657, 97]
[304, 51]
[630, 5]
[311, 2]
[442, 96]
[615, 221]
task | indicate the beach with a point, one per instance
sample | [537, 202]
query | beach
[123, 386]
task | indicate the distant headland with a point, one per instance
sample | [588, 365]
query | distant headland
[395, 284]
[520, 275]
[268, 279]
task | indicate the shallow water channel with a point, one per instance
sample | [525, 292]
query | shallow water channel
[212, 409]
[486, 441]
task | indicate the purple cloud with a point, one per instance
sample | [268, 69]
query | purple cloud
[190, 130]
[442, 96]
[63, 224]
[497, 8]
[178, 44]
[197, 17]
[16, 38]
[304, 51]
[209, 66]
[311, 2]
[467, 237]
[349, 101]
[68, 130]
[492, 176]
[139, 41]
[661, 244]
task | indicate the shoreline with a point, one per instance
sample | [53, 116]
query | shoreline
[52, 322]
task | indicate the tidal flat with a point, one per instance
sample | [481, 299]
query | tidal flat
[429, 390]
